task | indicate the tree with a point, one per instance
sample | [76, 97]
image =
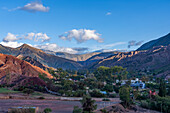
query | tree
[124, 94]
[162, 88]
[77, 109]
[88, 104]
[102, 73]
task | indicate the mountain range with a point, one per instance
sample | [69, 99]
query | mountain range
[153, 57]
[40, 56]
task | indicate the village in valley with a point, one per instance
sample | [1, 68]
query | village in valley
[84, 56]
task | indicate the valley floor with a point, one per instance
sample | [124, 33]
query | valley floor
[57, 106]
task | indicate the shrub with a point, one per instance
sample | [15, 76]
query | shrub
[96, 93]
[47, 110]
[159, 104]
[104, 110]
[112, 95]
[28, 91]
[108, 88]
[41, 98]
[68, 93]
[105, 99]
[22, 110]
[77, 109]
[144, 104]
[153, 105]
[79, 93]
[116, 89]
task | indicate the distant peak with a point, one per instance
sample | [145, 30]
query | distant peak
[25, 45]
[168, 34]
[29, 47]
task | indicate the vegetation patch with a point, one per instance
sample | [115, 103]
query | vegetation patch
[5, 90]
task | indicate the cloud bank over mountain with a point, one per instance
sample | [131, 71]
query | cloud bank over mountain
[42, 41]
[134, 43]
[42, 37]
[56, 48]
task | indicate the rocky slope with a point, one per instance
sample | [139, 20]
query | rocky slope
[13, 69]
[41, 56]
[33, 62]
[163, 41]
[155, 60]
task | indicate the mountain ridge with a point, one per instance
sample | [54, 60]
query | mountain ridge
[162, 41]
[41, 56]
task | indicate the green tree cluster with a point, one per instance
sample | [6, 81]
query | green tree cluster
[103, 73]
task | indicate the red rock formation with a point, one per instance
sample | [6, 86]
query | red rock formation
[10, 65]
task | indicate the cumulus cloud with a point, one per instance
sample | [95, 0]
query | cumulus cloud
[29, 36]
[35, 7]
[81, 35]
[134, 43]
[37, 37]
[108, 13]
[31, 7]
[41, 37]
[10, 38]
[11, 44]
[54, 47]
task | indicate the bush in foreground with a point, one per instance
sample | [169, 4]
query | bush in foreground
[47, 110]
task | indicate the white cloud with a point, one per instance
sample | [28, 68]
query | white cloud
[11, 44]
[81, 35]
[37, 37]
[56, 48]
[30, 7]
[10, 38]
[41, 37]
[108, 13]
[35, 7]
[29, 36]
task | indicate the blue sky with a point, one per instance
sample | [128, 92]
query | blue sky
[116, 22]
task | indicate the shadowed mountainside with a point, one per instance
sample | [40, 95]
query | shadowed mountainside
[155, 60]
[163, 41]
